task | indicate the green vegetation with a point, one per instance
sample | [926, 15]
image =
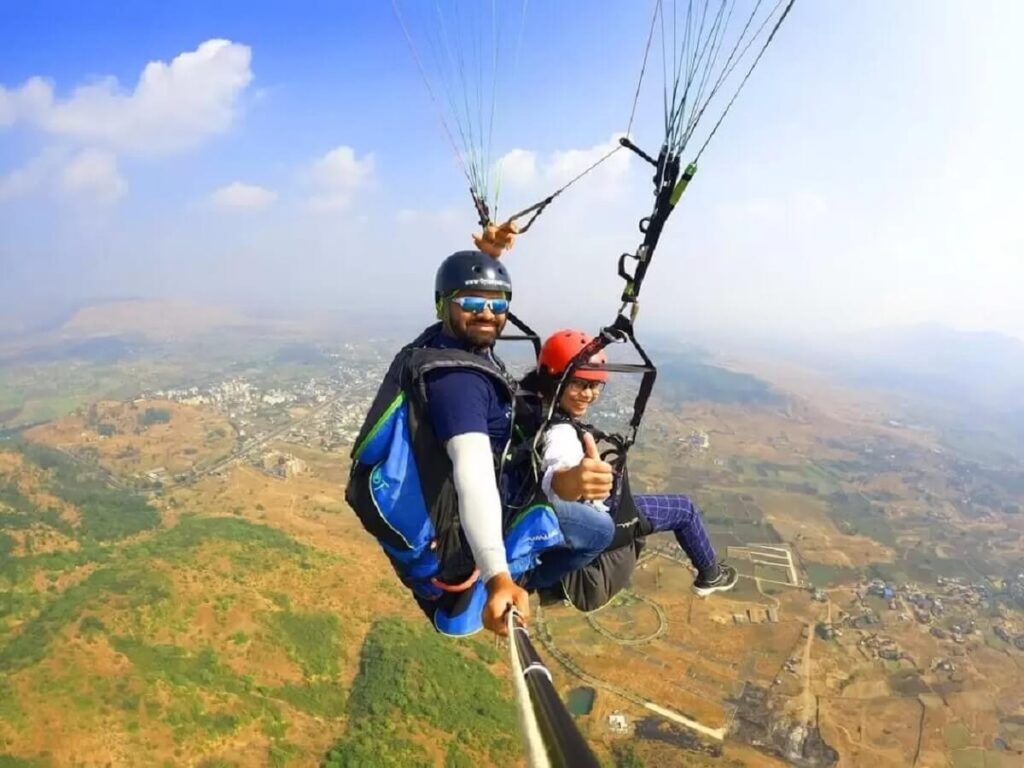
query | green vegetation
[968, 758]
[10, 708]
[178, 666]
[11, 761]
[137, 586]
[209, 699]
[154, 416]
[6, 544]
[311, 640]
[326, 699]
[191, 532]
[11, 497]
[90, 626]
[107, 513]
[825, 575]
[626, 757]
[15, 569]
[410, 677]
[958, 736]
[853, 514]
[24, 519]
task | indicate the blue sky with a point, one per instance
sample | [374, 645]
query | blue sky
[869, 175]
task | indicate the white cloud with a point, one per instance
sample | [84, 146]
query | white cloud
[414, 217]
[32, 176]
[173, 107]
[92, 176]
[337, 176]
[27, 102]
[532, 175]
[518, 168]
[239, 195]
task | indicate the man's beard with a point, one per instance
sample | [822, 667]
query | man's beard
[483, 334]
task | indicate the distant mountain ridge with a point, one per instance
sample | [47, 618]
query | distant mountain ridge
[157, 319]
[969, 383]
[980, 368]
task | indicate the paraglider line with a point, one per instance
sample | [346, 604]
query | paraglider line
[746, 77]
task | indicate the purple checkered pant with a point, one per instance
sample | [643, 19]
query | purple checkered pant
[677, 513]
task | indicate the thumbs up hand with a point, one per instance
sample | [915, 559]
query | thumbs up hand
[590, 479]
[590, 447]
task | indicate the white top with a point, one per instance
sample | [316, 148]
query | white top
[561, 449]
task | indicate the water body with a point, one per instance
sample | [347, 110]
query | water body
[581, 701]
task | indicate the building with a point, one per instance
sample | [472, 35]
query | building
[282, 464]
[618, 723]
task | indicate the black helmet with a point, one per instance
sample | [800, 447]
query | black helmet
[471, 269]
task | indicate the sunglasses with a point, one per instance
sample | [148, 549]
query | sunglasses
[581, 385]
[477, 304]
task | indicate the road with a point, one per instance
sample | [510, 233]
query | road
[809, 703]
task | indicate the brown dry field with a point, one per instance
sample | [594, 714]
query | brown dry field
[696, 665]
[801, 520]
[190, 439]
[878, 732]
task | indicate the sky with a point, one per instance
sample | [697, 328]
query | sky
[288, 158]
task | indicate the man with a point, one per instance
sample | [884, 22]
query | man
[472, 417]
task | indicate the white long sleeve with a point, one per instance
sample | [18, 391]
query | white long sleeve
[560, 449]
[479, 501]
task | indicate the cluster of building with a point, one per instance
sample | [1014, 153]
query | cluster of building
[1007, 636]
[335, 405]
[826, 630]
[880, 646]
[278, 464]
[925, 606]
[953, 600]
[1015, 588]
[697, 440]
[957, 633]
[757, 615]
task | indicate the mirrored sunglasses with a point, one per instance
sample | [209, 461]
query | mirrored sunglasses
[477, 304]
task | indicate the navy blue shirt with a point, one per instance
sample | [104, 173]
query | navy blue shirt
[460, 401]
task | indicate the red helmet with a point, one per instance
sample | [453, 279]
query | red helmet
[559, 350]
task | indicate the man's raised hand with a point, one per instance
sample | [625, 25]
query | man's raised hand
[496, 239]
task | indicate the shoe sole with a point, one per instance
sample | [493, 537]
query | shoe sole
[705, 591]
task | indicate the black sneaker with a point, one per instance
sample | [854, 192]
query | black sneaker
[726, 580]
